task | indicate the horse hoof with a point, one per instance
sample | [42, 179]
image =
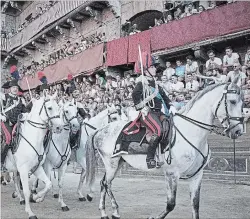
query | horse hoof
[33, 217]
[106, 217]
[14, 195]
[115, 217]
[65, 208]
[83, 199]
[33, 191]
[32, 200]
[89, 198]
[22, 202]
[56, 196]
[4, 183]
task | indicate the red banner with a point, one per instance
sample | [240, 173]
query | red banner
[143, 39]
[220, 21]
[83, 62]
[117, 52]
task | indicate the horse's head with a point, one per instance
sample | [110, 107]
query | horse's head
[229, 110]
[49, 112]
[69, 113]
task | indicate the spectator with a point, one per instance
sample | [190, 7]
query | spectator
[128, 80]
[212, 5]
[237, 73]
[70, 48]
[180, 69]
[165, 84]
[180, 101]
[191, 66]
[192, 85]
[158, 22]
[119, 82]
[100, 80]
[175, 85]
[201, 8]
[178, 14]
[169, 18]
[190, 10]
[218, 77]
[229, 59]
[134, 30]
[246, 61]
[169, 71]
[213, 61]
[77, 48]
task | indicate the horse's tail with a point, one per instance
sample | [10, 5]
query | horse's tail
[90, 161]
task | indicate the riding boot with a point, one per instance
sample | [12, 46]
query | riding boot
[74, 139]
[3, 157]
[153, 144]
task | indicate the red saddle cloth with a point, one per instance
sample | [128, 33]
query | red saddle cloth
[8, 135]
[134, 126]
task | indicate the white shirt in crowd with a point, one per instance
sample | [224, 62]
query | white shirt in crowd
[216, 61]
[220, 79]
[193, 86]
[231, 60]
[247, 59]
[165, 86]
[242, 77]
[192, 67]
[169, 72]
[176, 87]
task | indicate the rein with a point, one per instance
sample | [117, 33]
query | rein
[212, 128]
[40, 126]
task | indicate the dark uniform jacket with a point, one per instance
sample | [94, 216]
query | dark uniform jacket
[137, 95]
[12, 114]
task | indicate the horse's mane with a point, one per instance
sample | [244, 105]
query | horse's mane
[198, 96]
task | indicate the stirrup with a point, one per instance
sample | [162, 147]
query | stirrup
[120, 153]
[151, 163]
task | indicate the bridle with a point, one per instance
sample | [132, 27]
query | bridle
[212, 128]
[228, 118]
[48, 124]
[68, 120]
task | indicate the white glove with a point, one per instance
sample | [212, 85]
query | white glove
[2, 118]
[144, 111]
[172, 110]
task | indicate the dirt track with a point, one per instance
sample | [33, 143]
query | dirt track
[141, 198]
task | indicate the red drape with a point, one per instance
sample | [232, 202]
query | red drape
[117, 52]
[220, 21]
[83, 62]
[143, 39]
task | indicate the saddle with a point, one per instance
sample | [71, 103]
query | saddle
[134, 138]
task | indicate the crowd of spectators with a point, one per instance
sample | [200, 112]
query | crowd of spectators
[174, 10]
[40, 9]
[180, 81]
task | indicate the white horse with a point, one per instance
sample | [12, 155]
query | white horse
[59, 149]
[190, 151]
[100, 120]
[30, 156]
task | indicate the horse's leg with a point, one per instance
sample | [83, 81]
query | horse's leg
[195, 186]
[61, 174]
[171, 181]
[111, 172]
[41, 175]
[34, 186]
[18, 194]
[79, 189]
[23, 172]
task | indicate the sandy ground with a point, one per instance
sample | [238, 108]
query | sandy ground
[137, 198]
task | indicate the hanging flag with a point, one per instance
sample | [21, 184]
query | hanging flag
[14, 72]
[42, 77]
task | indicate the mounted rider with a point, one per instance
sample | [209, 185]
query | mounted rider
[148, 98]
[12, 106]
